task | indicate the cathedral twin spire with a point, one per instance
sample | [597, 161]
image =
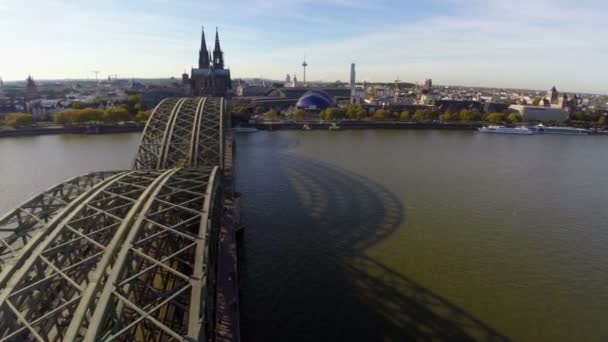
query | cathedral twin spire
[205, 58]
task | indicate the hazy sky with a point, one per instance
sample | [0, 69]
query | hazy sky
[510, 43]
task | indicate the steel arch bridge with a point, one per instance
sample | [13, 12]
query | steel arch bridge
[183, 132]
[125, 255]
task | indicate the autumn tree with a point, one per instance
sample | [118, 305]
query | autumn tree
[143, 116]
[495, 117]
[299, 114]
[355, 111]
[514, 117]
[116, 114]
[18, 119]
[466, 115]
[272, 115]
[380, 114]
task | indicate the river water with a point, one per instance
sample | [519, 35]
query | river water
[395, 235]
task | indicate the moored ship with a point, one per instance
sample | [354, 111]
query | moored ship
[559, 130]
[506, 130]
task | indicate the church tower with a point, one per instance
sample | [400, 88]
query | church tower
[203, 54]
[218, 55]
[552, 96]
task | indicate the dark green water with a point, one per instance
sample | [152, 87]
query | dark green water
[402, 235]
[395, 235]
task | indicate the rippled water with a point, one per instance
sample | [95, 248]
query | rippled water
[395, 235]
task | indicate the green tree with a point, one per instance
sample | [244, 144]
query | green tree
[355, 111]
[467, 115]
[421, 115]
[89, 115]
[404, 116]
[240, 113]
[272, 115]
[133, 104]
[332, 113]
[445, 117]
[381, 114]
[116, 114]
[299, 114]
[451, 111]
[18, 119]
[514, 117]
[603, 121]
[79, 105]
[495, 117]
[143, 116]
[63, 117]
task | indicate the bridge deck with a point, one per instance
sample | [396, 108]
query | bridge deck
[228, 320]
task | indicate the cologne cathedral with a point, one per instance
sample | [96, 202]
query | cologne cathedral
[210, 78]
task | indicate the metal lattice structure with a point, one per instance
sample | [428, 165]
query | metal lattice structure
[135, 255]
[123, 255]
[22, 224]
[183, 132]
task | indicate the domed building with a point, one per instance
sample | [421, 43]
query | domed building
[315, 100]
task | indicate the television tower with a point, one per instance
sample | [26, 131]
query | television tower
[304, 65]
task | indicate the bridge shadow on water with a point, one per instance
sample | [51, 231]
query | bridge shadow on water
[305, 274]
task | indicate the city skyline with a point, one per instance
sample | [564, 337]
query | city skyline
[508, 44]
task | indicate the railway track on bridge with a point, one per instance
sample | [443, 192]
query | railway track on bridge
[133, 254]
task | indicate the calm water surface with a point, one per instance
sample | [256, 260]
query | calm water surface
[395, 235]
[30, 165]
[401, 235]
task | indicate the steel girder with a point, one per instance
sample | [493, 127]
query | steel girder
[20, 225]
[162, 286]
[183, 132]
[132, 256]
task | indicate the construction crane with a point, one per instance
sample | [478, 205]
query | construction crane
[96, 72]
[114, 76]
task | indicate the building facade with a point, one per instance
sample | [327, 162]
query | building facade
[210, 78]
[534, 113]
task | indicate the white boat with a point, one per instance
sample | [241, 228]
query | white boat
[506, 130]
[560, 130]
[245, 129]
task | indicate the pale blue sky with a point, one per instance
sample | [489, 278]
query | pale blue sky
[510, 43]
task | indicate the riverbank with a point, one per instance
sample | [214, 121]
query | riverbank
[360, 125]
[79, 129]
[352, 125]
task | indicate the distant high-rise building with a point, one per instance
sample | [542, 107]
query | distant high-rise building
[287, 79]
[210, 78]
[353, 75]
[428, 83]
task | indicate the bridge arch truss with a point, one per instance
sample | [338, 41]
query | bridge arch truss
[183, 132]
[132, 256]
[124, 255]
